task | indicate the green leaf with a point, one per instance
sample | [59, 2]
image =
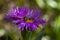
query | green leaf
[57, 24]
[51, 3]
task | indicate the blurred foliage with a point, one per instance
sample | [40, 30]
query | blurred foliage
[41, 3]
[57, 24]
[20, 2]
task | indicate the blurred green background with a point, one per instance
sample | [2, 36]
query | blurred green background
[51, 13]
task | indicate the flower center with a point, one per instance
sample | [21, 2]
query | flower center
[29, 20]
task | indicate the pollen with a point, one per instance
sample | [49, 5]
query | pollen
[29, 20]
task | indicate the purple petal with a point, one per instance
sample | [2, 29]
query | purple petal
[36, 14]
[18, 12]
[15, 21]
[28, 26]
[29, 13]
[33, 26]
[21, 26]
[42, 22]
[22, 11]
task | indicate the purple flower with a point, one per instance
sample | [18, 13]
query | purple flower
[25, 18]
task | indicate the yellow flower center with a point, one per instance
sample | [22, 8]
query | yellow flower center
[29, 20]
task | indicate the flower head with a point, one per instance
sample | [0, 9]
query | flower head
[25, 18]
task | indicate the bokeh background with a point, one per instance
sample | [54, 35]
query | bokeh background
[51, 13]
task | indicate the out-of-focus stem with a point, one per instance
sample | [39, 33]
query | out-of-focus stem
[21, 38]
[20, 35]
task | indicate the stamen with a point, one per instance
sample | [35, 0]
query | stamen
[29, 20]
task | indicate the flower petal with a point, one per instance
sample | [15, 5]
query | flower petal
[33, 26]
[42, 22]
[28, 26]
[15, 21]
[36, 14]
[29, 13]
[21, 26]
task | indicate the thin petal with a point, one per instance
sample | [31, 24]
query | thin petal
[28, 26]
[29, 13]
[22, 11]
[21, 26]
[36, 14]
[42, 22]
[15, 21]
[33, 26]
